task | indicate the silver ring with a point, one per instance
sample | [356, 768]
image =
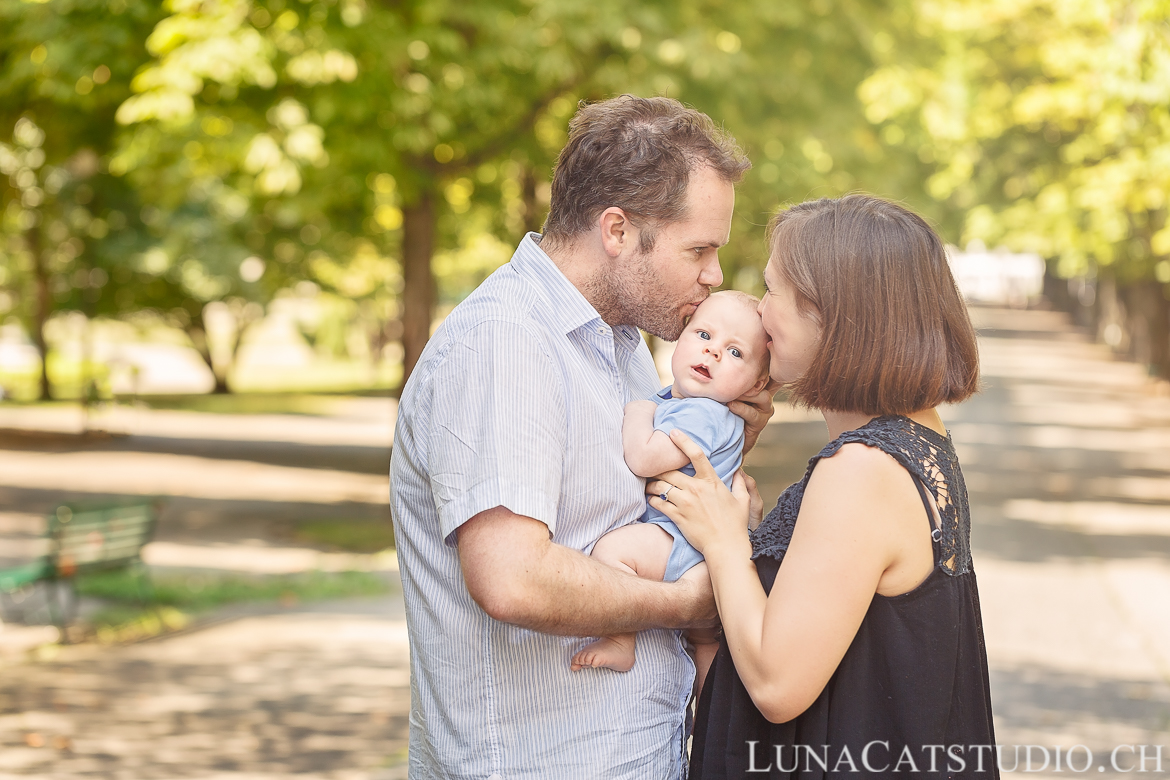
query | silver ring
[663, 494]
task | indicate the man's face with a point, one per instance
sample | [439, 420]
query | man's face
[659, 289]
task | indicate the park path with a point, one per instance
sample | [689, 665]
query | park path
[1067, 459]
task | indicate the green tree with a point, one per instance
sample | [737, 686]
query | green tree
[440, 121]
[783, 78]
[65, 66]
[1050, 125]
[221, 159]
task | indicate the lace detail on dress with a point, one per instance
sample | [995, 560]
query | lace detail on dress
[928, 456]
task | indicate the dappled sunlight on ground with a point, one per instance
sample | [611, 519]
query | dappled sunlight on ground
[1067, 459]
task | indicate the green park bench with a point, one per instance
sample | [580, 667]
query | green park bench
[85, 538]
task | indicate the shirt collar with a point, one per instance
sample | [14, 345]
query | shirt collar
[567, 304]
[569, 307]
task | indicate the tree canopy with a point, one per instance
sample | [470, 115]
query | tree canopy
[386, 157]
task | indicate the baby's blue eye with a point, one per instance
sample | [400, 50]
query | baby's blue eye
[735, 352]
[704, 335]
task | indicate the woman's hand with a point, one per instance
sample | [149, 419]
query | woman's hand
[707, 513]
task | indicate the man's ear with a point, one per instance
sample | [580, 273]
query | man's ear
[617, 232]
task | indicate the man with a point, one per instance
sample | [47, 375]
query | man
[508, 466]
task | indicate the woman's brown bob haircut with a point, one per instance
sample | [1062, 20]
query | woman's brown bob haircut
[636, 154]
[895, 335]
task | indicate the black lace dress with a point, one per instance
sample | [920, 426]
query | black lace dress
[915, 675]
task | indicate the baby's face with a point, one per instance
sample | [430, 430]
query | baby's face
[723, 351]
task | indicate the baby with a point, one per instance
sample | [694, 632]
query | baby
[721, 355]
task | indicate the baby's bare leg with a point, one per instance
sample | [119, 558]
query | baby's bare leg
[705, 649]
[642, 549]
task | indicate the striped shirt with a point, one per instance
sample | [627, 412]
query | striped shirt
[517, 401]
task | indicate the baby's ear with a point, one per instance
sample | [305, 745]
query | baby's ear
[760, 384]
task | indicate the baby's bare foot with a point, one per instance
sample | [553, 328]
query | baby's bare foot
[610, 652]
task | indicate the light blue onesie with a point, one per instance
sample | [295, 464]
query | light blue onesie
[719, 433]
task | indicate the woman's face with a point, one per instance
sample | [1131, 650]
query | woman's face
[794, 335]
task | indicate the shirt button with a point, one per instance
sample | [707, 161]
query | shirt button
[496, 776]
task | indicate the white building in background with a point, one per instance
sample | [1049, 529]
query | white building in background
[997, 277]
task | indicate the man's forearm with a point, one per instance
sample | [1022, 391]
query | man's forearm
[571, 594]
[519, 576]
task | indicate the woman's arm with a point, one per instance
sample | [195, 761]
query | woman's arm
[860, 515]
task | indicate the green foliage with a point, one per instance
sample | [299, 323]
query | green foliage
[383, 158]
[334, 121]
[1049, 125]
[66, 223]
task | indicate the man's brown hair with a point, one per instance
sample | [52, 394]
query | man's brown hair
[636, 154]
[895, 334]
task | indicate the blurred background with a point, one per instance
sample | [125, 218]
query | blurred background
[232, 196]
[227, 229]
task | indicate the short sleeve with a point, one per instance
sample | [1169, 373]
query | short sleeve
[708, 423]
[497, 427]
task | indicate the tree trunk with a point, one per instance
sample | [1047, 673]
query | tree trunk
[531, 207]
[418, 279]
[1148, 325]
[41, 308]
[197, 332]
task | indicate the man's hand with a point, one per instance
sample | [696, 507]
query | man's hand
[756, 505]
[755, 409]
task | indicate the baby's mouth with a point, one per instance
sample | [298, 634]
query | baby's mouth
[702, 370]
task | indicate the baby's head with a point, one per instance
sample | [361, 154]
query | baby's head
[723, 351]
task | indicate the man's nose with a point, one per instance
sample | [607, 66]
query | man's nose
[712, 274]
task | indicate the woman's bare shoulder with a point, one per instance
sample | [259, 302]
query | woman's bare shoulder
[856, 456]
[861, 475]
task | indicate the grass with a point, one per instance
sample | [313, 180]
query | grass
[172, 601]
[306, 404]
[319, 379]
[310, 404]
[359, 536]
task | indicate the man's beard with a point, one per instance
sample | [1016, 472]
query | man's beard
[634, 297]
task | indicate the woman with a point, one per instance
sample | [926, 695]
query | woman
[853, 645]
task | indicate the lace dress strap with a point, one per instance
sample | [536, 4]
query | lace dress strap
[930, 459]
